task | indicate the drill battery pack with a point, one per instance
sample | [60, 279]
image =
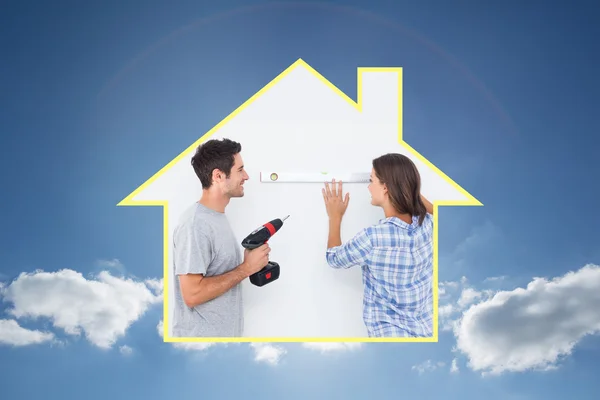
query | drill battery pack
[268, 274]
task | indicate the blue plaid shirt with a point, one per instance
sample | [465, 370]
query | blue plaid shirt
[397, 270]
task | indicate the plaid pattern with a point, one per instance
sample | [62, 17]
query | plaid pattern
[397, 270]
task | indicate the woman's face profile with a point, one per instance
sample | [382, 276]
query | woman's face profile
[376, 189]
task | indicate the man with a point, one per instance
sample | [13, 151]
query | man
[208, 265]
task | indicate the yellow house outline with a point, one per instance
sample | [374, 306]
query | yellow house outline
[470, 201]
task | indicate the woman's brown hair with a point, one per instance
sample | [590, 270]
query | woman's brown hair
[403, 182]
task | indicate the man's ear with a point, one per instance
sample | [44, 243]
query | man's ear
[217, 175]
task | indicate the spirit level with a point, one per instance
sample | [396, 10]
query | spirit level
[313, 177]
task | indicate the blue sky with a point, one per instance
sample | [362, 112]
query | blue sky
[95, 99]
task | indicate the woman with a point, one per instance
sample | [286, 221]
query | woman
[396, 255]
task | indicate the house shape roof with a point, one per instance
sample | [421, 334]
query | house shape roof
[144, 195]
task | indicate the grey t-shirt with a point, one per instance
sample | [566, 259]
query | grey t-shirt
[204, 243]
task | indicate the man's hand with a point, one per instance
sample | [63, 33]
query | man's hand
[335, 204]
[255, 260]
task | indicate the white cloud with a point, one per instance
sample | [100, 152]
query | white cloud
[269, 353]
[531, 328]
[456, 296]
[446, 310]
[428, 366]
[454, 366]
[263, 352]
[156, 285]
[11, 333]
[186, 345]
[114, 263]
[495, 278]
[325, 347]
[101, 309]
[448, 287]
[195, 345]
[467, 297]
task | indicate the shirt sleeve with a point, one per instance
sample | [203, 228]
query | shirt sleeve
[192, 250]
[428, 221]
[352, 253]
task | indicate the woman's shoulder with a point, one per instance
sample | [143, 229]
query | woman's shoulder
[428, 221]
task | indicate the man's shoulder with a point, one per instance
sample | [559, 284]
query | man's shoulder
[187, 217]
[193, 218]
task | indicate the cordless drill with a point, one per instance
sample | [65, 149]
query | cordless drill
[260, 236]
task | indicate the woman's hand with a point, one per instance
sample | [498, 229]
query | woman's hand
[335, 204]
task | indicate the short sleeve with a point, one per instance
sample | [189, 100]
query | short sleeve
[352, 253]
[428, 221]
[191, 250]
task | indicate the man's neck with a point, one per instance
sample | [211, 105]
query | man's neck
[214, 201]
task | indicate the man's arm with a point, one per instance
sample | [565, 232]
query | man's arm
[197, 288]
[428, 204]
[193, 254]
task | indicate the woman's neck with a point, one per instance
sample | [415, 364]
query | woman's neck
[390, 211]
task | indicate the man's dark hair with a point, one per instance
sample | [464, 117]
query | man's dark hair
[214, 154]
[403, 182]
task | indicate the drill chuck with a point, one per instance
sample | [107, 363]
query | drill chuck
[262, 234]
